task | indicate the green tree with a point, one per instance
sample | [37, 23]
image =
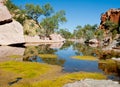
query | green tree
[65, 33]
[85, 32]
[47, 10]
[51, 24]
[34, 12]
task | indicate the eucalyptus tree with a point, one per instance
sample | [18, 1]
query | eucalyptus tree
[51, 23]
[34, 12]
[65, 33]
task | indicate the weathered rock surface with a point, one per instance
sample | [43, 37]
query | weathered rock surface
[53, 38]
[56, 37]
[112, 15]
[11, 33]
[5, 16]
[93, 83]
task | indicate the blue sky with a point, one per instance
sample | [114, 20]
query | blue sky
[78, 12]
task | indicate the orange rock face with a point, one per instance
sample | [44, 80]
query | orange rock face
[112, 15]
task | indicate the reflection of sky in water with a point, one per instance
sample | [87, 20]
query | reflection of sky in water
[69, 64]
[72, 65]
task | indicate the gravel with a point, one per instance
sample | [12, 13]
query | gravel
[93, 83]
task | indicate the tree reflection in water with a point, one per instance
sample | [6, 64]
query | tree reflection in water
[33, 53]
[110, 68]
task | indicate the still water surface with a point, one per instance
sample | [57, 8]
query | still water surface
[64, 58]
[61, 54]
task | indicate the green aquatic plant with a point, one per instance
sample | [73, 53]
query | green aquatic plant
[89, 58]
[47, 55]
[25, 69]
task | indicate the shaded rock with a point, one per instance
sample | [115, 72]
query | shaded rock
[11, 33]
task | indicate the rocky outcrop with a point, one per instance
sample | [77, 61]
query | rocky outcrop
[57, 37]
[11, 31]
[53, 38]
[112, 15]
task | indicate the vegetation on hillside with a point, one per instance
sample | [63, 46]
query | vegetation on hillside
[44, 16]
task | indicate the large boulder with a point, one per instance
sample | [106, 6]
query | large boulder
[11, 33]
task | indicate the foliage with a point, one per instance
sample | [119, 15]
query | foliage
[33, 11]
[99, 34]
[65, 33]
[11, 7]
[85, 32]
[51, 24]
[112, 27]
[18, 14]
[88, 58]
[47, 10]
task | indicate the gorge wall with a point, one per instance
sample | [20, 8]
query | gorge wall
[112, 15]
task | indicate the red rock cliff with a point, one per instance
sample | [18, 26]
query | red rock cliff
[112, 15]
